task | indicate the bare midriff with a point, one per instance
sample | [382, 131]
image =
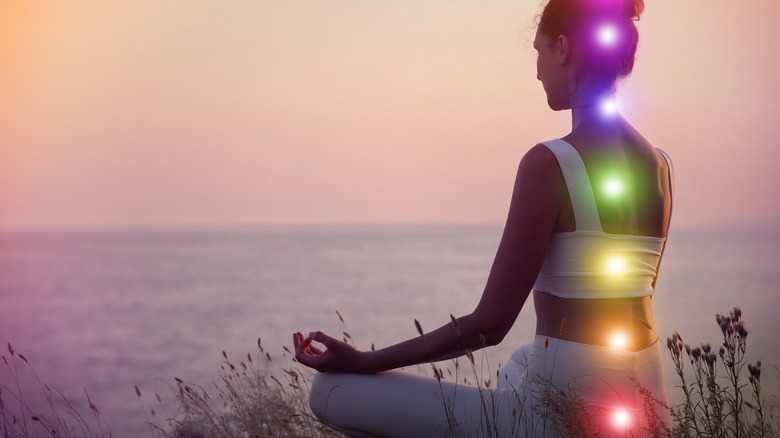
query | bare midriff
[625, 323]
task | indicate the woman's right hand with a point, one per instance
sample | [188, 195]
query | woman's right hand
[337, 357]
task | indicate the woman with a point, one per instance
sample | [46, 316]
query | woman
[586, 230]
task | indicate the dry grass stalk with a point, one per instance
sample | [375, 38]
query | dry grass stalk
[21, 417]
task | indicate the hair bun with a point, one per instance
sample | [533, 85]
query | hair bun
[632, 9]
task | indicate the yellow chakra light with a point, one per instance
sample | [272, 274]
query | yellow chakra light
[616, 265]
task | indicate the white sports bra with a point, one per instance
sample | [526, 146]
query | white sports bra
[588, 263]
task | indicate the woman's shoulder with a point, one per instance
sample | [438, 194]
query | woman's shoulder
[539, 157]
[539, 166]
[540, 153]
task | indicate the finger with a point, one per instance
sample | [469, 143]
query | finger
[315, 350]
[296, 339]
[324, 339]
[300, 349]
[300, 336]
[311, 348]
[308, 360]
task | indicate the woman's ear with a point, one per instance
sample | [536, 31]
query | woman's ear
[564, 49]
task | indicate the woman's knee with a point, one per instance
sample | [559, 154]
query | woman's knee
[318, 396]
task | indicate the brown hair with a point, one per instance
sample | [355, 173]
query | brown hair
[579, 20]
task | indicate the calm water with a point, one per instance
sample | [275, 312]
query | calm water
[109, 310]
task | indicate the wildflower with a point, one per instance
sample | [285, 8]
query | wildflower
[723, 321]
[755, 371]
[710, 359]
[742, 332]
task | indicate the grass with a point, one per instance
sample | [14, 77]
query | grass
[62, 418]
[721, 397]
[249, 401]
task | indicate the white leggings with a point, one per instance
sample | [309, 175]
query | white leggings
[400, 404]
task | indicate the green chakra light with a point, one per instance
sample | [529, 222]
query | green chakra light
[614, 187]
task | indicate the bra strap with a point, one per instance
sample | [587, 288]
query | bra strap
[583, 202]
[671, 173]
[668, 224]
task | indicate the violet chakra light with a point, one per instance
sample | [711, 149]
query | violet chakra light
[607, 35]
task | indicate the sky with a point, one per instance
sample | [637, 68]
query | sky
[139, 113]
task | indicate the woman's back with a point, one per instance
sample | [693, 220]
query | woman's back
[630, 180]
[602, 263]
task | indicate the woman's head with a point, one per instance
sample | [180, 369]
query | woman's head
[597, 37]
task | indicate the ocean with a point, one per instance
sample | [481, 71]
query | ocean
[106, 311]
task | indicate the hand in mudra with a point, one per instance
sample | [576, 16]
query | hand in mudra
[336, 357]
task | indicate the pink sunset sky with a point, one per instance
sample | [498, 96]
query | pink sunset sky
[135, 113]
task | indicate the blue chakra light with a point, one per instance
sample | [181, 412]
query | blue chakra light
[608, 107]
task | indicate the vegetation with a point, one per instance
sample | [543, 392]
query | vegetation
[251, 399]
[722, 406]
[61, 419]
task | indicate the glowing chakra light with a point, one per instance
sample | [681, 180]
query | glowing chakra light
[613, 187]
[607, 35]
[618, 340]
[621, 418]
[608, 107]
[616, 265]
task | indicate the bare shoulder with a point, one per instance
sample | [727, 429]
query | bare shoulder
[540, 154]
[539, 165]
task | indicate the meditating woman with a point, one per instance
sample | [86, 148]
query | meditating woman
[586, 230]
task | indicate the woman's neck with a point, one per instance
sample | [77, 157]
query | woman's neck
[595, 112]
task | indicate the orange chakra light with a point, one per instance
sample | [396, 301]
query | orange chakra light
[618, 340]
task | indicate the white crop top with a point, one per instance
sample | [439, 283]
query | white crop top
[588, 263]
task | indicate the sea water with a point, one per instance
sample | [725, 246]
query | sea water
[106, 311]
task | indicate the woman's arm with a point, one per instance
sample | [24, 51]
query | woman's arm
[533, 214]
